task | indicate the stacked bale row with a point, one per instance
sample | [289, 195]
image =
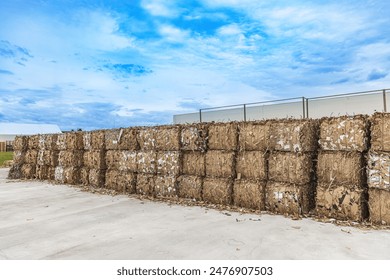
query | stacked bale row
[47, 158]
[291, 169]
[20, 147]
[341, 190]
[378, 169]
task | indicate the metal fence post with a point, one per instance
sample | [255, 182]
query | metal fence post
[244, 112]
[303, 106]
[307, 107]
[384, 101]
[200, 115]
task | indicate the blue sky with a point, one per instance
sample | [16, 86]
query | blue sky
[98, 64]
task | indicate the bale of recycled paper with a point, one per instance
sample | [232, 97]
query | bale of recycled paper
[15, 172]
[194, 163]
[51, 173]
[33, 142]
[95, 159]
[165, 186]
[121, 181]
[28, 171]
[46, 141]
[145, 184]
[84, 176]
[19, 157]
[146, 162]
[379, 206]
[380, 132]
[219, 164]
[121, 139]
[190, 187]
[168, 163]
[98, 139]
[60, 144]
[74, 141]
[251, 165]
[217, 190]
[43, 157]
[194, 137]
[146, 137]
[287, 198]
[168, 138]
[87, 140]
[341, 168]
[296, 168]
[344, 202]
[249, 194]
[20, 143]
[122, 160]
[96, 177]
[294, 135]
[31, 157]
[67, 175]
[254, 136]
[42, 172]
[378, 170]
[223, 136]
[344, 133]
[71, 158]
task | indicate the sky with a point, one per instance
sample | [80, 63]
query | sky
[94, 64]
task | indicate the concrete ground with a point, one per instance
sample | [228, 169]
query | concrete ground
[39, 220]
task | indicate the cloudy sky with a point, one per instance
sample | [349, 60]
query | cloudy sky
[108, 63]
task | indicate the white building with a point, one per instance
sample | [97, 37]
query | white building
[8, 131]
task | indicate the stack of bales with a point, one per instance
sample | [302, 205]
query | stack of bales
[220, 163]
[70, 149]
[121, 159]
[193, 140]
[20, 146]
[341, 190]
[291, 183]
[47, 157]
[93, 170]
[28, 169]
[378, 169]
[251, 165]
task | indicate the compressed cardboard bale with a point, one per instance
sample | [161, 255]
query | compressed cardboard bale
[45, 141]
[60, 144]
[71, 158]
[168, 163]
[287, 198]
[217, 190]
[194, 137]
[294, 135]
[146, 138]
[194, 163]
[87, 140]
[121, 139]
[341, 168]
[28, 171]
[254, 136]
[296, 168]
[42, 172]
[251, 165]
[165, 186]
[223, 136]
[51, 173]
[15, 172]
[59, 175]
[122, 160]
[220, 164]
[168, 138]
[121, 181]
[19, 156]
[190, 187]
[378, 170]
[74, 141]
[380, 132]
[33, 142]
[379, 206]
[47, 157]
[95, 159]
[145, 184]
[20, 143]
[249, 194]
[345, 202]
[84, 176]
[31, 157]
[98, 139]
[344, 133]
[96, 177]
[146, 162]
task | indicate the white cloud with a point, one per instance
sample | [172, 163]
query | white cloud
[173, 34]
[160, 8]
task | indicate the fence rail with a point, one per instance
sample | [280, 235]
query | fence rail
[6, 146]
[364, 102]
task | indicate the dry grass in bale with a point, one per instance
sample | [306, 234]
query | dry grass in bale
[146, 162]
[60, 144]
[249, 194]
[287, 198]
[95, 159]
[31, 157]
[122, 160]
[70, 158]
[74, 141]
[20, 143]
[168, 138]
[254, 136]
[87, 140]
[379, 205]
[19, 157]
[96, 177]
[340, 168]
[294, 135]
[380, 132]
[190, 187]
[15, 172]
[121, 139]
[121, 181]
[146, 138]
[168, 163]
[98, 140]
[42, 172]
[223, 136]
[194, 163]
[251, 165]
[296, 168]
[217, 190]
[378, 170]
[165, 186]
[84, 176]
[220, 164]
[344, 133]
[145, 184]
[194, 137]
[345, 202]
[33, 142]
[28, 171]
